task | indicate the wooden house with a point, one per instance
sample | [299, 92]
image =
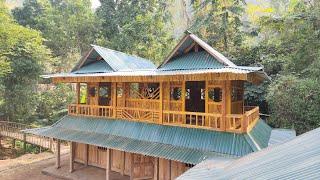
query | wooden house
[151, 122]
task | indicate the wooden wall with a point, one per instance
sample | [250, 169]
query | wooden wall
[121, 162]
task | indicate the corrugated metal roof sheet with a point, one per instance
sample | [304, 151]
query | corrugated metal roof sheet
[159, 72]
[193, 60]
[279, 136]
[187, 41]
[197, 140]
[296, 159]
[95, 67]
[121, 61]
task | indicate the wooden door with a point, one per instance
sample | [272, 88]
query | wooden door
[142, 167]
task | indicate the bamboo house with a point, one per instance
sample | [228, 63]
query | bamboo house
[151, 122]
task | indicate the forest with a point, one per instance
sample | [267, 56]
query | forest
[49, 36]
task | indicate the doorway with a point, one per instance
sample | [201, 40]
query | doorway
[195, 96]
[104, 94]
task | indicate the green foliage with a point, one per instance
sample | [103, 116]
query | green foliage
[69, 27]
[22, 48]
[136, 27]
[295, 103]
[52, 102]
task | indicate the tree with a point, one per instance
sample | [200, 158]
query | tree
[138, 27]
[23, 48]
[69, 27]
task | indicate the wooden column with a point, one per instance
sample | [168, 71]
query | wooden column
[24, 142]
[78, 92]
[183, 98]
[86, 155]
[161, 103]
[13, 143]
[108, 165]
[226, 103]
[132, 166]
[58, 154]
[71, 160]
[122, 165]
[114, 98]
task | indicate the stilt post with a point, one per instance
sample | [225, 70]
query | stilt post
[58, 154]
[108, 165]
[24, 142]
[71, 162]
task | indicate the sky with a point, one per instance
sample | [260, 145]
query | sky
[95, 3]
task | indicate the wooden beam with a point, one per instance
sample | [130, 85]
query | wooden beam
[196, 48]
[189, 48]
[108, 164]
[58, 154]
[71, 160]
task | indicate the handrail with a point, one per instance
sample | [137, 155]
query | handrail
[237, 123]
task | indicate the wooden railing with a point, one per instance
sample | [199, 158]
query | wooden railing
[137, 114]
[237, 123]
[90, 110]
[193, 119]
[242, 122]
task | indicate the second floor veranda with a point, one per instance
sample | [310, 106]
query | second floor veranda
[214, 105]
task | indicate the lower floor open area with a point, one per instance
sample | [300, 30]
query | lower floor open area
[115, 164]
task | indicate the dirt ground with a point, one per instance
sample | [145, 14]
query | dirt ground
[27, 166]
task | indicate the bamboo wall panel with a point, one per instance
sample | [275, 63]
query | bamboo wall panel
[142, 167]
[102, 157]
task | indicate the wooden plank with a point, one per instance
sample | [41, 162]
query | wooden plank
[161, 103]
[78, 92]
[164, 169]
[156, 169]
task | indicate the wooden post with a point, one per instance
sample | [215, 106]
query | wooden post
[114, 99]
[108, 165]
[78, 92]
[0, 141]
[132, 166]
[50, 144]
[156, 169]
[161, 103]
[226, 103]
[183, 98]
[122, 165]
[71, 160]
[58, 154]
[24, 142]
[13, 143]
[206, 103]
[86, 156]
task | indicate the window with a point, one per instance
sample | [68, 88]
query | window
[215, 94]
[189, 165]
[175, 93]
[119, 92]
[83, 93]
[134, 90]
[237, 94]
[104, 91]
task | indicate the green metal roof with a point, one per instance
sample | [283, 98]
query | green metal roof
[197, 144]
[192, 60]
[296, 159]
[94, 67]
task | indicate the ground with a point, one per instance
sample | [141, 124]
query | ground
[14, 166]
[41, 166]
